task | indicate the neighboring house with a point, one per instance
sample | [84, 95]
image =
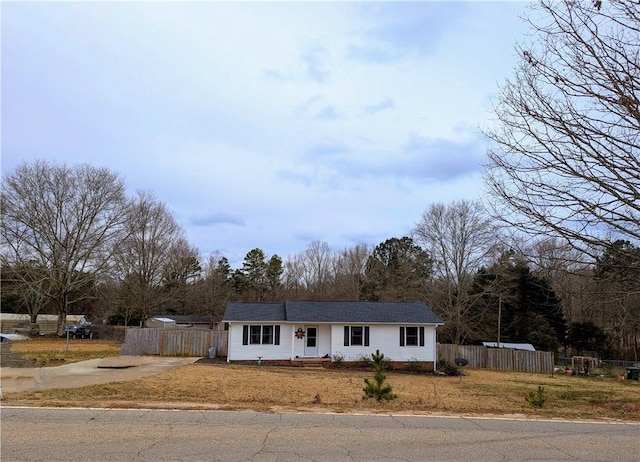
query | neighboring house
[327, 329]
[48, 323]
[170, 321]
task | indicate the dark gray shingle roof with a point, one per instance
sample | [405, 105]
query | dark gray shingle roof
[333, 312]
[246, 311]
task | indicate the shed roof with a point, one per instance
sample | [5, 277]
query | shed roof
[333, 312]
[182, 318]
[161, 319]
[515, 346]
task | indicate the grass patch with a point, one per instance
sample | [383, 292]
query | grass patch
[55, 351]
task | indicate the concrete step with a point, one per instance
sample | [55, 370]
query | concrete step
[312, 364]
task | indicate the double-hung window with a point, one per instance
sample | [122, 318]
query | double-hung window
[259, 334]
[411, 336]
[356, 335]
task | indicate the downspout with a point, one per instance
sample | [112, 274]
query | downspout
[229, 343]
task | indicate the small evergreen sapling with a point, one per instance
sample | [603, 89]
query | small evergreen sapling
[536, 399]
[377, 388]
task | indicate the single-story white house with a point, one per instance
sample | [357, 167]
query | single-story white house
[334, 330]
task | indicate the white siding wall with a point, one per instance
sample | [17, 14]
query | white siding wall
[387, 340]
[331, 342]
[240, 352]
[324, 340]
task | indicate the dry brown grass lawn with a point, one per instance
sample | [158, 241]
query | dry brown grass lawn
[53, 351]
[223, 386]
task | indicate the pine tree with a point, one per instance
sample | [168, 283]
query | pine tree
[377, 388]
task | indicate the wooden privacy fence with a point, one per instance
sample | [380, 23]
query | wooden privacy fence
[499, 359]
[174, 342]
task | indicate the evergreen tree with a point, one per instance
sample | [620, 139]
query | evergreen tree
[397, 269]
[377, 388]
[587, 337]
[530, 311]
[216, 286]
[259, 279]
[273, 276]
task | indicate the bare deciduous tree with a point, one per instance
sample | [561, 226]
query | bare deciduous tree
[27, 283]
[145, 255]
[181, 272]
[566, 155]
[348, 270]
[320, 273]
[293, 278]
[567, 271]
[317, 261]
[459, 237]
[309, 273]
[67, 220]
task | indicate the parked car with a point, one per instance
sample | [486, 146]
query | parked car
[12, 337]
[78, 331]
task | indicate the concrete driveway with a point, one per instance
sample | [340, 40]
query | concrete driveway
[84, 373]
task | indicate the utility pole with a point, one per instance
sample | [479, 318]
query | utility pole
[499, 317]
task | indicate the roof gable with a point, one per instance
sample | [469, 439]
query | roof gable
[344, 312]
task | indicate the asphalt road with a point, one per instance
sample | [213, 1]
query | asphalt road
[37, 434]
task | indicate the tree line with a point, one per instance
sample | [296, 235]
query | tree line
[551, 257]
[73, 242]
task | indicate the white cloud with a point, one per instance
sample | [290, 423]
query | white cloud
[262, 124]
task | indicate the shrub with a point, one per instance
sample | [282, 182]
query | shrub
[446, 368]
[363, 361]
[413, 365]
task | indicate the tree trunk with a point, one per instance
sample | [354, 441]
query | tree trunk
[62, 316]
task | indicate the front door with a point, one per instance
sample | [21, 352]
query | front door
[311, 341]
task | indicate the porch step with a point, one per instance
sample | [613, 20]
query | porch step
[309, 362]
[312, 364]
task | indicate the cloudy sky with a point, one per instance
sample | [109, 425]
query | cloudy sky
[263, 124]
